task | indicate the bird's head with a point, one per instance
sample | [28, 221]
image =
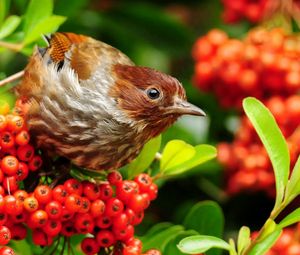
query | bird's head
[151, 98]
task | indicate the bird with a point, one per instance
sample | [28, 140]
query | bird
[89, 103]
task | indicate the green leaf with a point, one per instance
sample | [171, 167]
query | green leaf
[175, 153]
[48, 25]
[273, 140]
[9, 26]
[243, 239]
[201, 243]
[293, 186]
[171, 247]
[202, 154]
[290, 219]
[36, 12]
[206, 217]
[145, 158]
[160, 239]
[264, 245]
[4, 6]
[157, 228]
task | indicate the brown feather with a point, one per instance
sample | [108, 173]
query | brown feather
[60, 43]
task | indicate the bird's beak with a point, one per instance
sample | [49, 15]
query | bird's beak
[183, 107]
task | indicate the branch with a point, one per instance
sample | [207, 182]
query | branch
[12, 78]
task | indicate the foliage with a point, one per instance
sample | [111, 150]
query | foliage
[276, 147]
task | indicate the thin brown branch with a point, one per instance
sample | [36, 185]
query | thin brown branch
[12, 78]
[11, 46]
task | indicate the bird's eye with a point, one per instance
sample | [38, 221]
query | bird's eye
[153, 93]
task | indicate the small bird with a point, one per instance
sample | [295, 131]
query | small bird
[88, 102]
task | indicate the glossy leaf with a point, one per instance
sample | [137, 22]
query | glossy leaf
[201, 243]
[36, 12]
[157, 228]
[171, 246]
[273, 140]
[243, 239]
[290, 219]
[293, 186]
[9, 26]
[206, 218]
[175, 153]
[203, 153]
[145, 158]
[46, 26]
[264, 245]
[161, 238]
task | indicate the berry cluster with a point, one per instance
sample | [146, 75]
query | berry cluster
[108, 211]
[264, 64]
[247, 166]
[253, 11]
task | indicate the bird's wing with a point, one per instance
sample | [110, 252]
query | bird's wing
[82, 53]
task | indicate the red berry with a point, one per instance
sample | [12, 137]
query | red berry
[73, 187]
[9, 165]
[66, 214]
[52, 227]
[114, 177]
[97, 208]
[125, 190]
[84, 223]
[7, 140]
[21, 195]
[15, 123]
[54, 210]
[12, 205]
[124, 234]
[105, 238]
[113, 207]
[106, 192]
[131, 250]
[25, 152]
[18, 232]
[22, 171]
[35, 163]
[5, 250]
[60, 194]
[138, 202]
[120, 221]
[22, 138]
[5, 235]
[38, 219]
[103, 221]
[43, 194]
[89, 246]
[41, 238]
[31, 204]
[91, 191]
[68, 229]
[144, 181]
[10, 184]
[73, 203]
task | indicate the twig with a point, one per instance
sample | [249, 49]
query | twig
[11, 78]
[11, 46]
